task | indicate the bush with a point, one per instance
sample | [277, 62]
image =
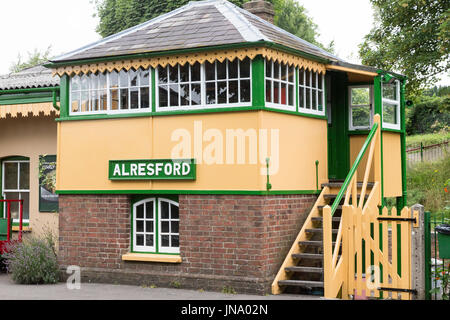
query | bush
[429, 115]
[33, 261]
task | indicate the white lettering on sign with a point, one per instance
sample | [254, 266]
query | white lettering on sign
[156, 169]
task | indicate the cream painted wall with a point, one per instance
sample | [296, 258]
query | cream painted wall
[85, 147]
[31, 137]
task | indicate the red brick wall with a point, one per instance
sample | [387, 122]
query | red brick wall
[225, 240]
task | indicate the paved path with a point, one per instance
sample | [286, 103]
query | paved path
[93, 291]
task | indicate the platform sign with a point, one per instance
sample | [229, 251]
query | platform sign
[48, 199]
[154, 169]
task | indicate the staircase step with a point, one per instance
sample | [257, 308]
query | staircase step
[333, 196]
[313, 243]
[320, 230]
[314, 256]
[340, 184]
[304, 269]
[334, 219]
[339, 207]
[301, 283]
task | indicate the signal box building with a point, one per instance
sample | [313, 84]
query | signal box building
[192, 148]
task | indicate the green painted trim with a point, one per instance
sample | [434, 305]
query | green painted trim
[378, 109]
[403, 142]
[175, 192]
[258, 82]
[29, 90]
[64, 97]
[153, 80]
[188, 50]
[392, 130]
[25, 100]
[358, 132]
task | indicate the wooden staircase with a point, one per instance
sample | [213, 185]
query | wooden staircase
[302, 272]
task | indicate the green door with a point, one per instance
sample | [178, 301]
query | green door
[338, 142]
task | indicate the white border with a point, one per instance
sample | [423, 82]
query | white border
[350, 106]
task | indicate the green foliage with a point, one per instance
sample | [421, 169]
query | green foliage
[34, 58]
[228, 290]
[427, 139]
[33, 261]
[429, 115]
[412, 37]
[118, 15]
[426, 184]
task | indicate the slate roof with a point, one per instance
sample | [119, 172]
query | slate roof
[197, 24]
[34, 77]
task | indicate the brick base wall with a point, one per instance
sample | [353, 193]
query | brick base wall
[225, 240]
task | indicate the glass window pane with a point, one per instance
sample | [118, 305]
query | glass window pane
[145, 98]
[25, 196]
[93, 82]
[211, 93]
[283, 93]
[233, 92]
[113, 79]
[301, 75]
[133, 78]
[245, 90]
[221, 70]
[390, 113]
[149, 226]
[222, 92]
[195, 72]
[162, 75]
[196, 97]
[173, 74]
[283, 72]
[84, 101]
[173, 95]
[307, 78]
[184, 73]
[123, 99]
[390, 91]
[140, 212]
[164, 210]
[94, 101]
[149, 240]
[210, 70]
[175, 241]
[276, 70]
[184, 94]
[14, 206]
[174, 226]
[244, 67]
[84, 82]
[291, 94]
[233, 69]
[301, 95]
[139, 239]
[140, 226]
[360, 96]
[24, 183]
[75, 97]
[268, 68]
[320, 81]
[314, 79]
[134, 98]
[123, 79]
[291, 71]
[165, 226]
[308, 99]
[11, 177]
[114, 99]
[163, 100]
[320, 101]
[314, 100]
[361, 116]
[75, 83]
[144, 78]
[165, 240]
[103, 100]
[102, 84]
[149, 210]
[268, 91]
[276, 92]
[174, 212]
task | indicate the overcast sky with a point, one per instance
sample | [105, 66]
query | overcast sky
[66, 25]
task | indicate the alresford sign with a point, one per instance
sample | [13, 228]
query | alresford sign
[155, 169]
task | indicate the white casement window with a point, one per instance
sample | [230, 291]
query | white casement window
[16, 186]
[311, 97]
[360, 107]
[110, 92]
[206, 85]
[391, 105]
[280, 85]
[156, 226]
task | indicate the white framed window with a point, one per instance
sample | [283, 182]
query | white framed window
[280, 85]
[311, 97]
[391, 105]
[16, 186]
[156, 226]
[110, 92]
[206, 85]
[360, 107]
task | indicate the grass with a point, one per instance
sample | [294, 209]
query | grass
[426, 139]
[426, 183]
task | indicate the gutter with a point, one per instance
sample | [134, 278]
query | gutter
[54, 90]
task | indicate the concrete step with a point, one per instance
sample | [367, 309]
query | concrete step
[301, 283]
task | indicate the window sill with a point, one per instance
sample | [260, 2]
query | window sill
[147, 257]
[24, 229]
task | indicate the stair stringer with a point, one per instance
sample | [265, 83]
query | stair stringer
[296, 248]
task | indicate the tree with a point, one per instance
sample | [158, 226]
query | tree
[34, 58]
[410, 37]
[118, 15]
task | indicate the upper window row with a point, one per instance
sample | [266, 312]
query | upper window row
[194, 86]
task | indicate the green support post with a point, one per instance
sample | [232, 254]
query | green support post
[258, 82]
[427, 220]
[64, 96]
